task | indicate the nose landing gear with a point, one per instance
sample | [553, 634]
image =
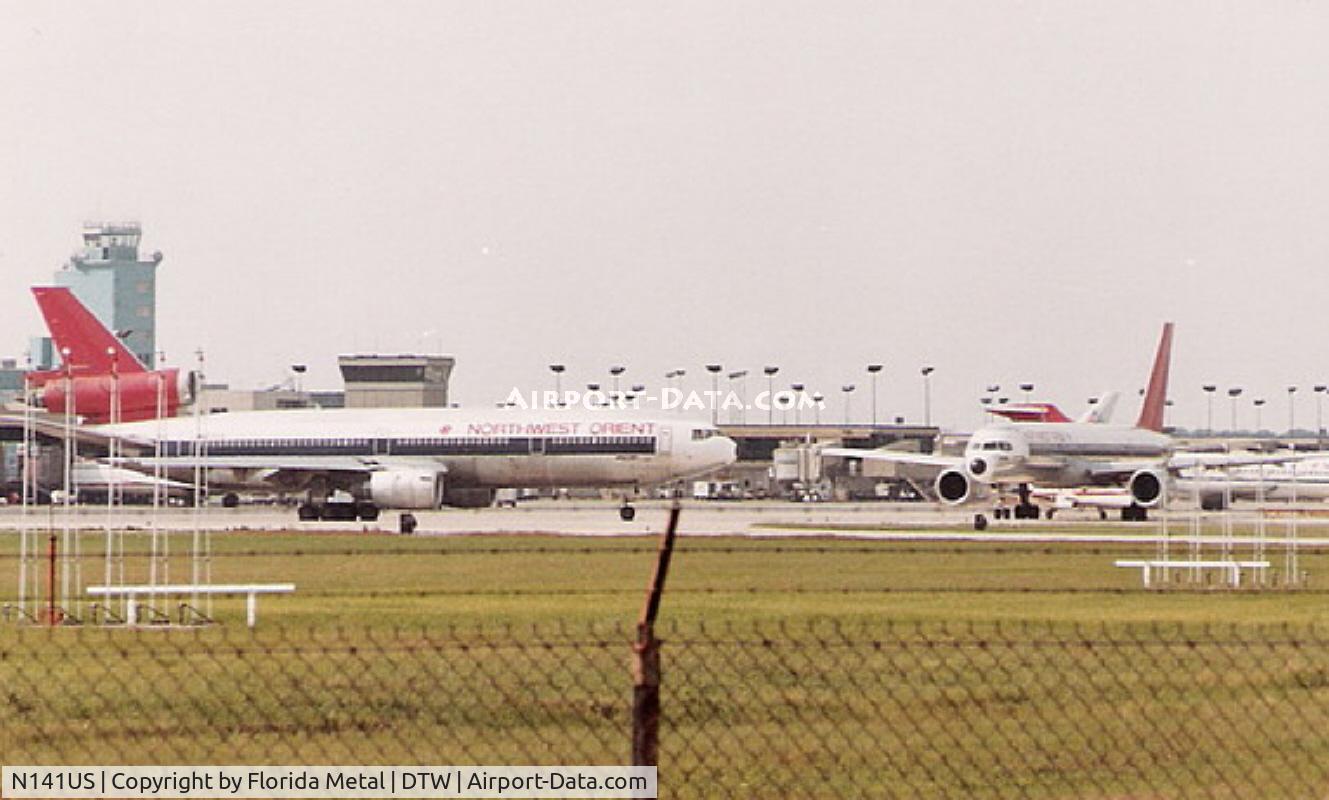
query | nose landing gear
[626, 512]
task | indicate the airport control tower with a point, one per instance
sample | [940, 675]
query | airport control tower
[116, 285]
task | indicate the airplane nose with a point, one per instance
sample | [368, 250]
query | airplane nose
[729, 453]
[724, 451]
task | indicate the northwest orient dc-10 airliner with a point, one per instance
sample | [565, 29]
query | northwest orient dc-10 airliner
[416, 458]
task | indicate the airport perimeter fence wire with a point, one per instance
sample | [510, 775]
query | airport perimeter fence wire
[814, 708]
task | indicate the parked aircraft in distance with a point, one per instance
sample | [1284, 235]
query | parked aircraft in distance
[1066, 455]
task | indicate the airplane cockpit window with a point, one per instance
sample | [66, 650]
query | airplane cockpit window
[701, 434]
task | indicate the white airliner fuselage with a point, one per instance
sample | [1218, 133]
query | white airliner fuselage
[1060, 453]
[397, 457]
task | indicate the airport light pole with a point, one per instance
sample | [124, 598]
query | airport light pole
[742, 377]
[874, 370]
[770, 393]
[927, 394]
[1291, 409]
[714, 369]
[1026, 388]
[615, 371]
[297, 371]
[848, 390]
[1209, 390]
[798, 392]
[1234, 393]
[1259, 405]
[558, 370]
[593, 388]
[817, 399]
[1319, 417]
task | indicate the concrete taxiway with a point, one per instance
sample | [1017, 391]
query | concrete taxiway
[864, 521]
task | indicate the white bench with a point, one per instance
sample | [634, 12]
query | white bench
[1232, 568]
[251, 591]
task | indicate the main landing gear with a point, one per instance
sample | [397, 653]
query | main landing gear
[1134, 513]
[626, 512]
[338, 512]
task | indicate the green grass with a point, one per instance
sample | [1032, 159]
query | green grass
[810, 667]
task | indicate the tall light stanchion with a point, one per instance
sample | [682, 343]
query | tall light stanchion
[770, 393]
[154, 543]
[1259, 416]
[927, 395]
[25, 546]
[196, 560]
[847, 389]
[874, 370]
[1319, 416]
[817, 399]
[742, 377]
[110, 477]
[1233, 394]
[67, 564]
[1291, 410]
[1209, 390]
[1026, 388]
[797, 389]
[714, 369]
[615, 371]
[558, 370]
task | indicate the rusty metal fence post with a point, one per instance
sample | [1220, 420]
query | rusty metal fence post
[646, 657]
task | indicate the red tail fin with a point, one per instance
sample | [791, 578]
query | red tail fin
[1155, 397]
[92, 348]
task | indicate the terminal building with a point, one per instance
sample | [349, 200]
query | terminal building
[400, 381]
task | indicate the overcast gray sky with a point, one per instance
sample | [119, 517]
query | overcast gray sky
[1008, 191]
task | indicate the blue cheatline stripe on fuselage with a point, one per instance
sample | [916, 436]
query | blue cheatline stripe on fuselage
[485, 446]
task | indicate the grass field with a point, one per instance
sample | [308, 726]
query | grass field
[386, 580]
[792, 667]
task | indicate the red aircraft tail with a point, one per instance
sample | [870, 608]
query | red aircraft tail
[1030, 412]
[92, 349]
[1155, 397]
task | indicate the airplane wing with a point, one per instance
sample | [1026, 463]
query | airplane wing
[894, 457]
[1180, 461]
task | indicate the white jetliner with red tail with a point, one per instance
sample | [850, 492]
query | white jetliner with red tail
[1017, 455]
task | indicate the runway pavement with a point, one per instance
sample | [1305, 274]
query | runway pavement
[870, 521]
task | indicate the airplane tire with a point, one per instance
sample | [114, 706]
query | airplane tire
[627, 513]
[230, 500]
[1050, 512]
[981, 522]
[407, 523]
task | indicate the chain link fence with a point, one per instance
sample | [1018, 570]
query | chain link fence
[807, 709]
